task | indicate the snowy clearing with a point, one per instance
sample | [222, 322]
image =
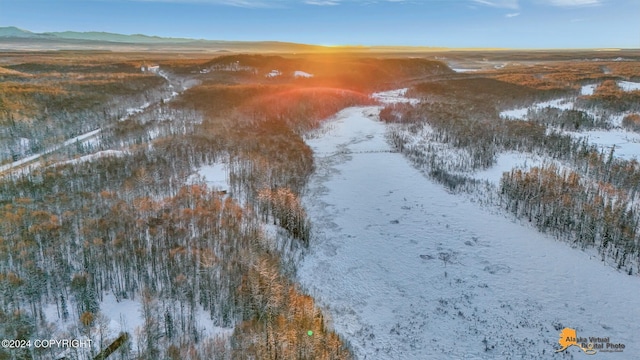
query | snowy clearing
[394, 97]
[627, 143]
[123, 315]
[134, 111]
[507, 161]
[406, 270]
[521, 113]
[216, 176]
[302, 74]
[629, 85]
[624, 85]
[588, 89]
[464, 70]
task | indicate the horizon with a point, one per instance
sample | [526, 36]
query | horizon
[337, 47]
[462, 24]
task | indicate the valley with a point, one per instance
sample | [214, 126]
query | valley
[333, 204]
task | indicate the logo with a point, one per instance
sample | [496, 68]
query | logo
[590, 346]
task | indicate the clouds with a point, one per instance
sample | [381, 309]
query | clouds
[500, 4]
[322, 2]
[506, 4]
[515, 4]
[235, 3]
[274, 3]
[573, 3]
[518, 4]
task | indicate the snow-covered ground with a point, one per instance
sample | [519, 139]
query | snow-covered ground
[461, 70]
[588, 89]
[126, 315]
[91, 137]
[629, 85]
[33, 157]
[91, 157]
[134, 111]
[303, 74]
[627, 143]
[507, 161]
[406, 270]
[216, 176]
[394, 96]
[521, 113]
[624, 85]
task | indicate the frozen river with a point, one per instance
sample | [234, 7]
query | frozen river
[406, 270]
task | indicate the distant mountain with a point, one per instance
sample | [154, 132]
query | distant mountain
[12, 31]
[119, 38]
[16, 38]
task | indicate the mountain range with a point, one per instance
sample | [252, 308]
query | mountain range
[14, 38]
[14, 32]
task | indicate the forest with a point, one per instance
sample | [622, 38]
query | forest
[102, 202]
[118, 216]
[581, 192]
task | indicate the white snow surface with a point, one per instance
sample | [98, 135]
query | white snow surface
[216, 176]
[461, 70]
[303, 74]
[90, 137]
[406, 270]
[521, 113]
[629, 85]
[126, 315]
[394, 97]
[627, 143]
[507, 161]
[33, 157]
[123, 315]
[91, 157]
[588, 89]
[624, 85]
[134, 111]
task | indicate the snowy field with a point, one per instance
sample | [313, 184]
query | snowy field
[627, 143]
[125, 315]
[521, 113]
[406, 270]
[215, 175]
[629, 85]
[462, 70]
[507, 161]
[395, 96]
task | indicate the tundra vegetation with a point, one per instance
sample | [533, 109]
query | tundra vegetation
[134, 222]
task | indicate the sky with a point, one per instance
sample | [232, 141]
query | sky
[435, 23]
